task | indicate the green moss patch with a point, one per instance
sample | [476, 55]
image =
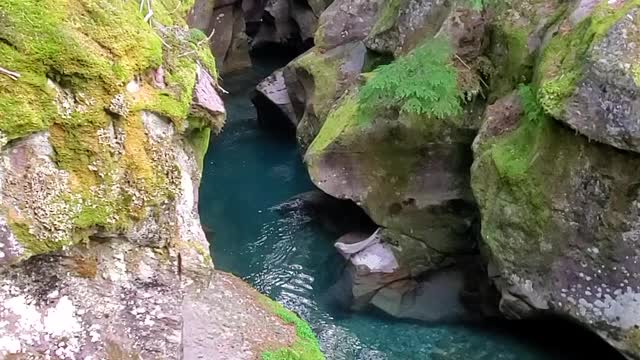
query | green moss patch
[564, 58]
[91, 46]
[344, 117]
[75, 58]
[325, 72]
[387, 16]
[306, 345]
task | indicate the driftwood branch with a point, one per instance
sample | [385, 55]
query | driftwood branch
[12, 74]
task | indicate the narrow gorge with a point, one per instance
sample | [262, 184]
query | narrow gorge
[315, 179]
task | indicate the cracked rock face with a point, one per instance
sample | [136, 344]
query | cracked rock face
[118, 293]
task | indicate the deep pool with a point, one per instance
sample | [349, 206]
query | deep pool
[290, 258]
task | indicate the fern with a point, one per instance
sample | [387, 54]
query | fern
[422, 83]
[533, 110]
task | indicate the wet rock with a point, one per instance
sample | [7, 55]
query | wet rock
[435, 300]
[291, 23]
[273, 91]
[388, 271]
[316, 79]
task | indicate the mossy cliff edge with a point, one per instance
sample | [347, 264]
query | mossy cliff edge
[106, 109]
[527, 160]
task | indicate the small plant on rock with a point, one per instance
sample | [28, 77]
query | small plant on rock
[422, 83]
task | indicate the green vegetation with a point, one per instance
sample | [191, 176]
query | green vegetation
[305, 347]
[563, 59]
[340, 119]
[424, 83]
[199, 139]
[324, 71]
[75, 58]
[92, 46]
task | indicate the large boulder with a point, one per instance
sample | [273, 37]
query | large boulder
[407, 177]
[346, 21]
[302, 92]
[559, 205]
[314, 80]
[589, 74]
[406, 278]
[283, 22]
[560, 222]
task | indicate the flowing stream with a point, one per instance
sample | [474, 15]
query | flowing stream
[290, 258]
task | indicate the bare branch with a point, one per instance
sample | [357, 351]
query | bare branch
[467, 66]
[187, 53]
[12, 74]
[221, 89]
[150, 13]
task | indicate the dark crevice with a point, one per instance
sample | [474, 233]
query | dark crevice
[271, 117]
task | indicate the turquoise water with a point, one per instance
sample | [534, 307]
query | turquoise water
[247, 173]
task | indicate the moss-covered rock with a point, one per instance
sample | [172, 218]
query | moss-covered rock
[409, 172]
[559, 219]
[345, 21]
[588, 74]
[305, 345]
[403, 24]
[517, 30]
[89, 72]
[316, 79]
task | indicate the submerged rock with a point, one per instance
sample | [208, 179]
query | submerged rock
[406, 280]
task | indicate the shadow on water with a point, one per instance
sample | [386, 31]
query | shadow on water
[250, 173]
